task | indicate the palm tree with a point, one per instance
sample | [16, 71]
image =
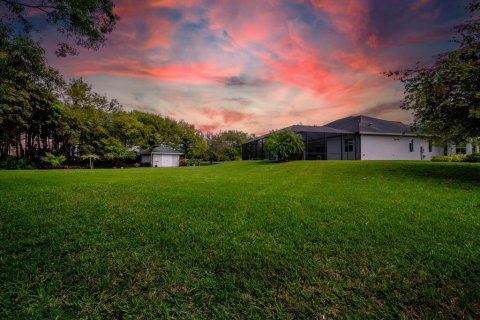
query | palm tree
[284, 143]
[91, 157]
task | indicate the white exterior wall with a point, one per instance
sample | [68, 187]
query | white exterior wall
[165, 160]
[470, 148]
[376, 147]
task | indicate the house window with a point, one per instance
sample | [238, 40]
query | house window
[348, 145]
[461, 148]
[430, 146]
[410, 145]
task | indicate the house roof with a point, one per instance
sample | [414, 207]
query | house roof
[161, 149]
[302, 128]
[354, 124]
[369, 125]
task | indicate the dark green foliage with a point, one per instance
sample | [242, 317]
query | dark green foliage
[52, 160]
[84, 23]
[445, 97]
[29, 109]
[474, 157]
[283, 144]
[85, 122]
[13, 163]
[225, 145]
[114, 153]
[243, 240]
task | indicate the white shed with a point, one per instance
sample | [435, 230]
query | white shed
[161, 156]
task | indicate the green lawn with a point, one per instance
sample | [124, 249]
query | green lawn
[246, 239]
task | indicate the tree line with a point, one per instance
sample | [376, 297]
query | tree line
[73, 121]
[43, 116]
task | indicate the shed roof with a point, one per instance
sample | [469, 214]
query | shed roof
[161, 149]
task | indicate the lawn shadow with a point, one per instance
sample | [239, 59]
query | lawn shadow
[463, 175]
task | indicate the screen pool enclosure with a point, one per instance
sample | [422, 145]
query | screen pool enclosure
[320, 143]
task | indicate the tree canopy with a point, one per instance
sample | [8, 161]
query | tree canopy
[445, 96]
[84, 23]
[226, 145]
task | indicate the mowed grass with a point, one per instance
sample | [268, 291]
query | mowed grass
[248, 239]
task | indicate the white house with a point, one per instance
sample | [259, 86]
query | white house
[359, 138]
[161, 156]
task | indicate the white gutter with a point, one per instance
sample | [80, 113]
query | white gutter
[394, 134]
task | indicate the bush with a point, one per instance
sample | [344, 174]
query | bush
[451, 158]
[118, 155]
[193, 162]
[52, 160]
[183, 163]
[11, 163]
[474, 157]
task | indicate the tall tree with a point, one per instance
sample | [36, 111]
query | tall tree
[84, 23]
[226, 145]
[445, 96]
[29, 108]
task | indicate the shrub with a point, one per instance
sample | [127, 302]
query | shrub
[52, 160]
[8, 163]
[451, 158]
[118, 155]
[11, 163]
[474, 157]
[183, 163]
[193, 162]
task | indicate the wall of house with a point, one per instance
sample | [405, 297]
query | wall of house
[470, 148]
[375, 147]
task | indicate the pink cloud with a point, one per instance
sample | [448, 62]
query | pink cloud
[187, 73]
[228, 116]
[349, 17]
[293, 61]
[417, 4]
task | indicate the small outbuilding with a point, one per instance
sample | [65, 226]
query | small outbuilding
[161, 156]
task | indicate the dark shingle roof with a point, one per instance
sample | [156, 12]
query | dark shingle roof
[364, 124]
[302, 128]
[161, 149]
[353, 124]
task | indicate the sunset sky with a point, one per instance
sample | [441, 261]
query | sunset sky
[257, 65]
